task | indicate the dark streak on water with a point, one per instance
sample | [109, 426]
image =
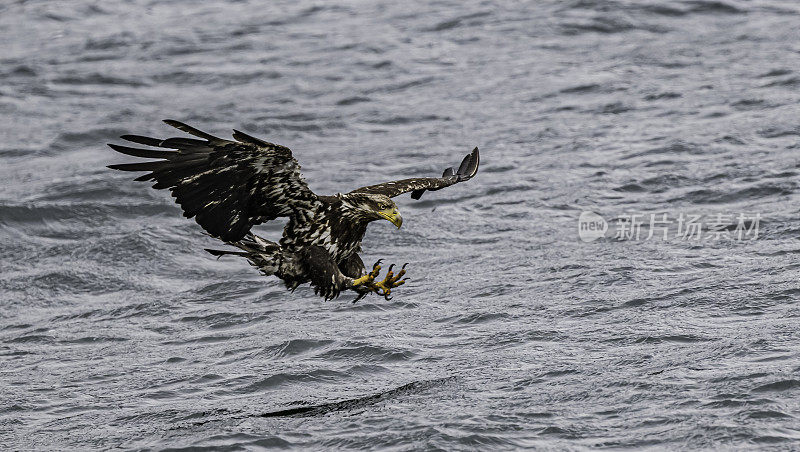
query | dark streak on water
[361, 402]
[118, 331]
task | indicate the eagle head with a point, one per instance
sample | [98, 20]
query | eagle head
[370, 207]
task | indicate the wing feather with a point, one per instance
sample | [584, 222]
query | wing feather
[147, 141]
[227, 186]
[418, 185]
[245, 138]
[192, 131]
[144, 153]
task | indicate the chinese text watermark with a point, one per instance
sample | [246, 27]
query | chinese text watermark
[662, 226]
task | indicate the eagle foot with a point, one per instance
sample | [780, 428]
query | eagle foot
[367, 279]
[390, 281]
[367, 284]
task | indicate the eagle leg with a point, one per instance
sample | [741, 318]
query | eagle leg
[363, 285]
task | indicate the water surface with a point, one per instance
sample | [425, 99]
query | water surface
[118, 331]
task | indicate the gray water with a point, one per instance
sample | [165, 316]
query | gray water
[118, 331]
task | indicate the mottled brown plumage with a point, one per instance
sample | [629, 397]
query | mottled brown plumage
[230, 186]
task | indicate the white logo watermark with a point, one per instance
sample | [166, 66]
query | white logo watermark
[591, 226]
[661, 226]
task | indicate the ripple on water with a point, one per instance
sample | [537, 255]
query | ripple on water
[777, 386]
[315, 376]
[366, 352]
[757, 191]
[475, 318]
[295, 347]
[223, 320]
[309, 410]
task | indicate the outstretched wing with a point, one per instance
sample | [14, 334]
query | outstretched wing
[417, 186]
[228, 186]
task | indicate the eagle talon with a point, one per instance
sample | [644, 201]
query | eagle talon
[376, 269]
[389, 282]
[360, 296]
[366, 280]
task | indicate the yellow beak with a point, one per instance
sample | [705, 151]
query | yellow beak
[393, 216]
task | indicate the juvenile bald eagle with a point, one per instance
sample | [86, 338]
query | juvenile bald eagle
[230, 186]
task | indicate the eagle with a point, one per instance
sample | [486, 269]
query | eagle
[229, 186]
